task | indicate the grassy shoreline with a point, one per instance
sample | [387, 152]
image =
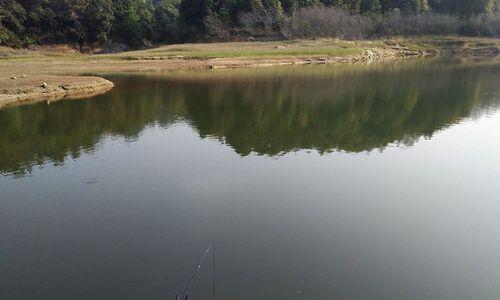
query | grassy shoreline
[24, 72]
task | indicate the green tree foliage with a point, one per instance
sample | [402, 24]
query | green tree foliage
[247, 5]
[141, 22]
[12, 20]
[97, 20]
[307, 3]
[407, 6]
[54, 21]
[273, 4]
[166, 15]
[194, 12]
[134, 20]
[463, 7]
[370, 6]
[290, 6]
[351, 5]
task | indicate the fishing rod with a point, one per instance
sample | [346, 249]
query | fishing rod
[198, 269]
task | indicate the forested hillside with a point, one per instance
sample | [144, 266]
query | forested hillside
[136, 23]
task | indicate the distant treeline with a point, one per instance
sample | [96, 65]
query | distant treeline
[136, 23]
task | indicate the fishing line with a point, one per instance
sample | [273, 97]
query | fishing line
[197, 270]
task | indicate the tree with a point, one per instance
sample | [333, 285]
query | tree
[273, 5]
[463, 7]
[473, 7]
[406, 6]
[194, 12]
[134, 21]
[290, 6]
[307, 3]
[351, 5]
[166, 16]
[12, 19]
[370, 6]
[97, 19]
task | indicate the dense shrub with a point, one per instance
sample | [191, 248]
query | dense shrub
[328, 22]
[395, 23]
[264, 22]
[482, 25]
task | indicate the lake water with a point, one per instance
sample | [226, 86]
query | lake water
[374, 181]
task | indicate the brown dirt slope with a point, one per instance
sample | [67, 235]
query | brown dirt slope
[30, 88]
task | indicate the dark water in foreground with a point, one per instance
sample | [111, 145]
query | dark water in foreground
[359, 182]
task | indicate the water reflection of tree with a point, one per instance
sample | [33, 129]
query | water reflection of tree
[351, 111]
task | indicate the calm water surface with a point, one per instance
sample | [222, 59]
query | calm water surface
[357, 182]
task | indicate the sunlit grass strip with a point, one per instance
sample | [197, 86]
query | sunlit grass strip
[259, 53]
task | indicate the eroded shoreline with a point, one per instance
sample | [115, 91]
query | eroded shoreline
[47, 76]
[35, 88]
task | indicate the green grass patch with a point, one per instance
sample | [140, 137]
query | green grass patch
[228, 53]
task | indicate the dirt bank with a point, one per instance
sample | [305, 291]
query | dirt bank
[60, 68]
[32, 88]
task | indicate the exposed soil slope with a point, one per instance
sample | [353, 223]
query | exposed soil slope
[29, 88]
[23, 72]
